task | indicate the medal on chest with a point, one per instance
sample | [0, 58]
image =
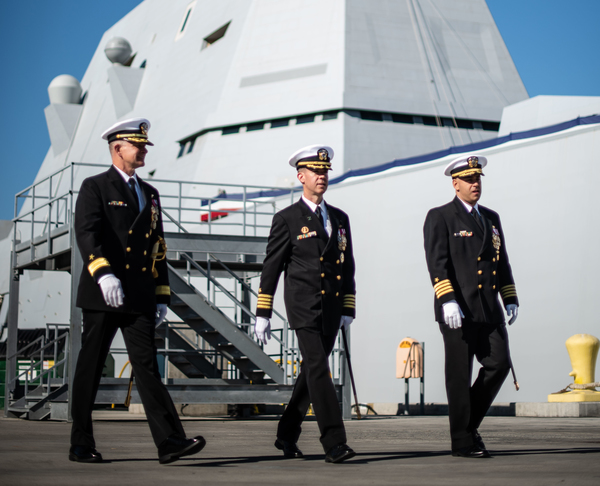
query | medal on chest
[154, 213]
[342, 239]
[496, 238]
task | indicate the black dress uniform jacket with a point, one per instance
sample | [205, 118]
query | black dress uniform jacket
[319, 270]
[468, 264]
[113, 237]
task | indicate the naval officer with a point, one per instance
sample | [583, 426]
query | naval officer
[310, 242]
[469, 268]
[124, 285]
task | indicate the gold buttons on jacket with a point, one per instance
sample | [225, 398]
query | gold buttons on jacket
[337, 294]
[479, 272]
[130, 232]
[145, 252]
[144, 269]
[128, 249]
[493, 287]
[127, 267]
[322, 291]
[494, 260]
[147, 235]
[479, 285]
[321, 259]
[494, 272]
[339, 277]
[478, 259]
[322, 275]
[337, 262]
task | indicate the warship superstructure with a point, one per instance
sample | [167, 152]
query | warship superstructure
[398, 89]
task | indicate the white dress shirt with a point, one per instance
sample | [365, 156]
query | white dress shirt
[138, 189]
[470, 208]
[326, 219]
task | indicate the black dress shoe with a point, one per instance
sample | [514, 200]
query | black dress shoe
[339, 453]
[478, 440]
[175, 447]
[473, 452]
[84, 454]
[290, 449]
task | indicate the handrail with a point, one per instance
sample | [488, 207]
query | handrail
[241, 281]
[54, 196]
[216, 283]
[34, 364]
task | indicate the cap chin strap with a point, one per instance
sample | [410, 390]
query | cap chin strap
[314, 165]
[467, 173]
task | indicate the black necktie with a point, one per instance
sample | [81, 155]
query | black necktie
[477, 218]
[320, 216]
[131, 183]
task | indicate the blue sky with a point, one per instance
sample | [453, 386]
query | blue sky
[554, 44]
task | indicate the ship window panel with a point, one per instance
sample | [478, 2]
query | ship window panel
[187, 16]
[330, 115]
[447, 122]
[400, 118]
[282, 122]
[429, 121]
[230, 130]
[185, 21]
[490, 126]
[215, 36]
[255, 126]
[466, 124]
[371, 116]
[143, 65]
[191, 146]
[305, 119]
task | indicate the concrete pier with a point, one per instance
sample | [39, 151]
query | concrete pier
[395, 450]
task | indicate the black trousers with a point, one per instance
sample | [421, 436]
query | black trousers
[99, 329]
[468, 404]
[314, 385]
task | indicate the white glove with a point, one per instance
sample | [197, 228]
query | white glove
[161, 313]
[452, 314]
[345, 322]
[111, 290]
[512, 310]
[262, 329]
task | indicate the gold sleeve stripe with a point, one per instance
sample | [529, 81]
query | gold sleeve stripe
[163, 290]
[349, 301]
[264, 306]
[508, 291]
[96, 264]
[442, 288]
[442, 283]
[265, 296]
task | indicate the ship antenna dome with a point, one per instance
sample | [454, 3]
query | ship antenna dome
[118, 50]
[64, 89]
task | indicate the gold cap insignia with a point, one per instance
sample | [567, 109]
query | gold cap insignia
[304, 230]
[473, 161]
[144, 128]
[323, 154]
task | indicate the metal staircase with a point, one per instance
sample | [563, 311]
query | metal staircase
[40, 393]
[215, 243]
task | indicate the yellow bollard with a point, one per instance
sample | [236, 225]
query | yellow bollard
[583, 351]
